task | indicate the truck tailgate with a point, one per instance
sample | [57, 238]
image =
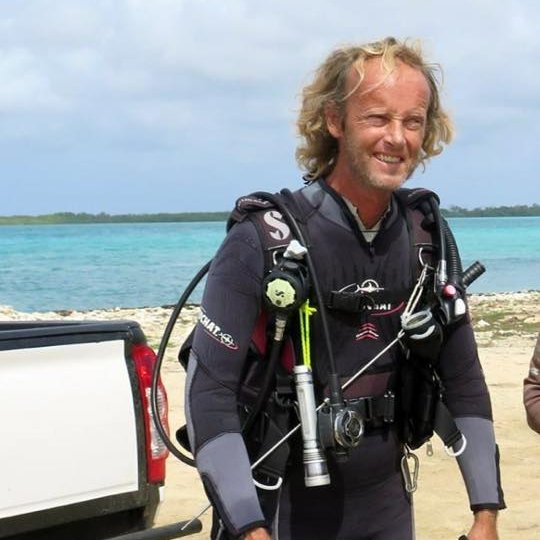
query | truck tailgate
[68, 423]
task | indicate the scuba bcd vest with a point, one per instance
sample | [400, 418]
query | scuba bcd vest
[266, 392]
[420, 408]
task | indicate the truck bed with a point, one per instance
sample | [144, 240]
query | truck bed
[73, 437]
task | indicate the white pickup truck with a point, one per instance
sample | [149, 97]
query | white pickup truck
[80, 457]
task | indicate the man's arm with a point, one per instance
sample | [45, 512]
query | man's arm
[484, 526]
[467, 398]
[230, 307]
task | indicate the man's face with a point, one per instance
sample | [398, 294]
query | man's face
[381, 133]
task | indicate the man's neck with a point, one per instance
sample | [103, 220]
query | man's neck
[370, 203]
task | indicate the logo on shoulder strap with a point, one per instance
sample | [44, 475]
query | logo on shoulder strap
[277, 228]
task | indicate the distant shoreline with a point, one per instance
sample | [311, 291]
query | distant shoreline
[71, 218]
[474, 299]
[495, 317]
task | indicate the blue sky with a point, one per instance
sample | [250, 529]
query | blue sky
[137, 106]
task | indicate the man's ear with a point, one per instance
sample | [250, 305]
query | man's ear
[334, 120]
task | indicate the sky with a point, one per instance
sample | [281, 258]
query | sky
[142, 106]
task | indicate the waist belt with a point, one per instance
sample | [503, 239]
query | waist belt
[375, 411]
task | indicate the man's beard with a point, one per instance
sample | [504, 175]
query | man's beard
[360, 169]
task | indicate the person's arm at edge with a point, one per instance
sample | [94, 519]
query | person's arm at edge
[531, 390]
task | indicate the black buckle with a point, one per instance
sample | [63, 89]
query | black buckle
[363, 406]
[389, 400]
[377, 410]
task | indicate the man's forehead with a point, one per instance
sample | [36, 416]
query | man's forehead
[377, 75]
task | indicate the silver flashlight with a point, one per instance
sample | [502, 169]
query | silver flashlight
[315, 468]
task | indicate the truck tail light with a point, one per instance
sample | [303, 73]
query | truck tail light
[156, 451]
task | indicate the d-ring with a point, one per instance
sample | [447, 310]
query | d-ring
[451, 453]
[266, 487]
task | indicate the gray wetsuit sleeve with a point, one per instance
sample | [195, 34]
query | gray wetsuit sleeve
[229, 310]
[468, 400]
[479, 463]
[224, 467]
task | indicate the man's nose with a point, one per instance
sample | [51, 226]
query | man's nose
[395, 133]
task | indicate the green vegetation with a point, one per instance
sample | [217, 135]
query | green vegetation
[493, 211]
[502, 315]
[70, 217]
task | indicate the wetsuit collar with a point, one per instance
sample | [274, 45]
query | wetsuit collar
[335, 208]
[368, 233]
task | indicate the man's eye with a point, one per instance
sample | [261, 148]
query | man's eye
[377, 120]
[414, 123]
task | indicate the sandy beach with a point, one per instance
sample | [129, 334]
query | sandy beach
[506, 327]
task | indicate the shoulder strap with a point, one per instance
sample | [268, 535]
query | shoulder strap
[416, 204]
[274, 233]
[414, 196]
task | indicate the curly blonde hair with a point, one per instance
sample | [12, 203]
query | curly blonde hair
[318, 149]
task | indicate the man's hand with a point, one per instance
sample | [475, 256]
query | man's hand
[484, 526]
[260, 533]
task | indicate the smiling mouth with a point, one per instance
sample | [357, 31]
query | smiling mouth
[386, 158]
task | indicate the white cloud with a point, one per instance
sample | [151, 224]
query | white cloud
[193, 75]
[25, 85]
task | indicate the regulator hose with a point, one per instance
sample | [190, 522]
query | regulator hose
[266, 387]
[454, 266]
[441, 271]
[335, 388]
[159, 360]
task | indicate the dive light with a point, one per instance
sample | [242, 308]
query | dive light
[315, 468]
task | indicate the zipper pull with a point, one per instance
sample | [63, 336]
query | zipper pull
[429, 448]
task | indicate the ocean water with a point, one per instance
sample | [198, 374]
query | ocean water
[54, 267]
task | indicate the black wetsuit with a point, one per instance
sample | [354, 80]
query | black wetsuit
[366, 498]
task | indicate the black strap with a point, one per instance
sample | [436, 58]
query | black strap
[375, 410]
[445, 426]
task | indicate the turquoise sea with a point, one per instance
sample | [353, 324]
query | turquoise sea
[55, 267]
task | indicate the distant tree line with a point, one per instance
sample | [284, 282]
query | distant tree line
[70, 217]
[493, 211]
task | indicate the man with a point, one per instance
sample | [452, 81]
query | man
[369, 118]
[531, 390]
